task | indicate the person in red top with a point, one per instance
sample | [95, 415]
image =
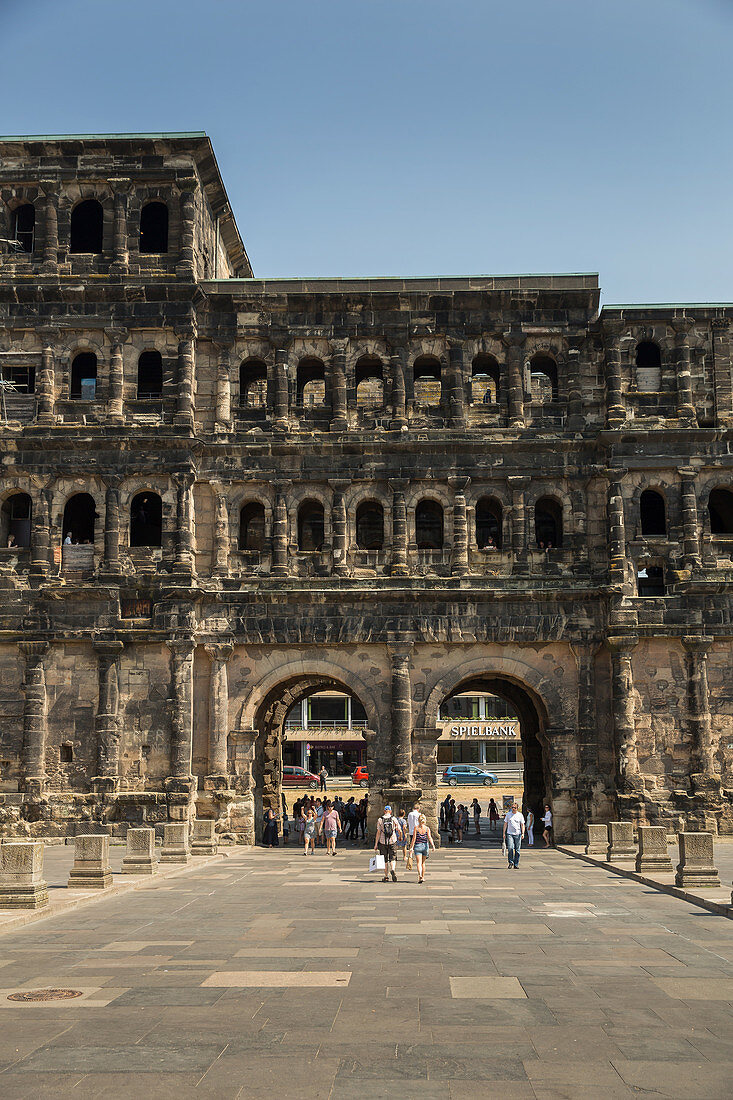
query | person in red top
[331, 824]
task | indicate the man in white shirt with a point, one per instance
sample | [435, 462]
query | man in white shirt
[513, 833]
[412, 819]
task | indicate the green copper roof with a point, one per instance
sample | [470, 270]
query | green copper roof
[107, 137]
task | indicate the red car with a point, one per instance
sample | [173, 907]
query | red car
[360, 776]
[299, 777]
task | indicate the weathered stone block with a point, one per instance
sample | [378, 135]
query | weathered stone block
[21, 875]
[620, 842]
[597, 840]
[696, 866]
[140, 857]
[175, 844]
[653, 855]
[204, 838]
[91, 862]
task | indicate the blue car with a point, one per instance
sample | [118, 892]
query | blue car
[468, 773]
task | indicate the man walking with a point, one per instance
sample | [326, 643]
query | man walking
[412, 819]
[513, 833]
[323, 776]
[386, 843]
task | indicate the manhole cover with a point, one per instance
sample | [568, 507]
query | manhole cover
[45, 995]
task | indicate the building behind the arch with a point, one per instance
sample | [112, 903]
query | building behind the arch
[220, 492]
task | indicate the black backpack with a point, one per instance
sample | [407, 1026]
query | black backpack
[388, 829]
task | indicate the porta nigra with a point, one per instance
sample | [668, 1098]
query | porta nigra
[221, 494]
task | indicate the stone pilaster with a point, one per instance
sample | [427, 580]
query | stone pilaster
[280, 530]
[685, 404]
[182, 651]
[115, 403]
[339, 422]
[223, 405]
[51, 226]
[616, 533]
[622, 690]
[690, 531]
[185, 558]
[107, 720]
[398, 567]
[111, 563]
[338, 527]
[615, 408]
[35, 717]
[185, 266]
[219, 654]
[397, 377]
[401, 713]
[221, 534]
[45, 388]
[456, 387]
[186, 366]
[281, 395]
[41, 550]
[120, 245]
[514, 342]
[575, 421]
[518, 487]
[702, 763]
[459, 557]
[722, 372]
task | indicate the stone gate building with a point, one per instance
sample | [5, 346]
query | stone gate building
[219, 494]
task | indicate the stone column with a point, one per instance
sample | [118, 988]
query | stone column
[615, 408]
[51, 226]
[338, 527]
[459, 559]
[221, 534]
[119, 227]
[186, 366]
[281, 397]
[45, 387]
[575, 421]
[617, 533]
[622, 687]
[685, 402]
[280, 531]
[397, 375]
[398, 566]
[116, 381]
[219, 653]
[182, 650]
[35, 717]
[339, 422]
[223, 414]
[690, 533]
[107, 722]
[702, 762]
[456, 388]
[518, 487]
[722, 375]
[185, 266]
[185, 558]
[111, 562]
[514, 342]
[401, 713]
[41, 550]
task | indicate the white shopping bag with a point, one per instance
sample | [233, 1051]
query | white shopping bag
[376, 863]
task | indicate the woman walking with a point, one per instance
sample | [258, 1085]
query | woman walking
[530, 828]
[269, 836]
[493, 815]
[403, 834]
[309, 832]
[331, 827]
[422, 842]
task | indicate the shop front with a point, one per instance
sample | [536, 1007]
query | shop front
[325, 729]
[483, 730]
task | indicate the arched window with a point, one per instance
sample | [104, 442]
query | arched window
[253, 384]
[720, 508]
[311, 383]
[24, 226]
[548, 523]
[252, 527]
[146, 520]
[426, 380]
[484, 380]
[79, 519]
[650, 581]
[543, 372]
[653, 513]
[154, 227]
[16, 520]
[369, 383]
[648, 367]
[429, 525]
[370, 525]
[488, 524]
[84, 376]
[311, 526]
[150, 375]
[87, 221]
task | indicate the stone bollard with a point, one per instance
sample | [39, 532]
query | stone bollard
[597, 840]
[91, 862]
[620, 842]
[204, 838]
[653, 855]
[140, 857]
[175, 844]
[696, 867]
[21, 875]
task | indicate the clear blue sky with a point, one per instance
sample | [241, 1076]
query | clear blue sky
[420, 137]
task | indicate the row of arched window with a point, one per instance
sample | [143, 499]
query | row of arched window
[86, 228]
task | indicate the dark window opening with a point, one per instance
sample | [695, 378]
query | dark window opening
[426, 380]
[488, 524]
[370, 526]
[369, 383]
[650, 581]
[24, 226]
[17, 511]
[311, 526]
[66, 754]
[253, 384]
[84, 376]
[21, 379]
[548, 524]
[653, 514]
[311, 383]
[252, 527]
[720, 508]
[146, 520]
[149, 375]
[154, 227]
[648, 367]
[79, 520]
[543, 371]
[429, 525]
[87, 221]
[485, 380]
